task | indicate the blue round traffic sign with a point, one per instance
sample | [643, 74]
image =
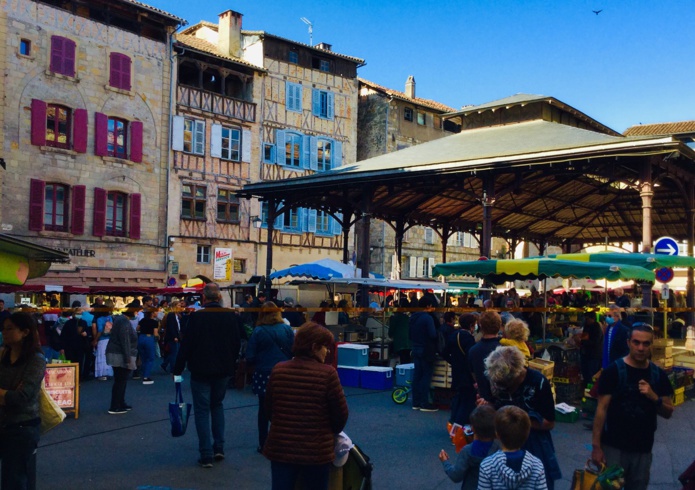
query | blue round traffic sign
[665, 274]
[666, 246]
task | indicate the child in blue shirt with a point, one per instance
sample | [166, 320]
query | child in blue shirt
[467, 464]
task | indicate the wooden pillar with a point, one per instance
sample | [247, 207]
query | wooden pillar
[445, 238]
[488, 200]
[400, 231]
[646, 193]
[272, 214]
[365, 252]
[347, 218]
[690, 213]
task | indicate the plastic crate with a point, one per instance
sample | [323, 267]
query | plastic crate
[566, 417]
[349, 376]
[545, 367]
[404, 374]
[568, 393]
[376, 378]
[678, 396]
[566, 381]
[355, 355]
[442, 397]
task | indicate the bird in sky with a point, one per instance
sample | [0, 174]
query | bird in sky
[597, 11]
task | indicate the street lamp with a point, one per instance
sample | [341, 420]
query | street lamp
[257, 222]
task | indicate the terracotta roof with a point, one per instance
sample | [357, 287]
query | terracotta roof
[209, 48]
[402, 96]
[214, 27]
[661, 128]
[181, 21]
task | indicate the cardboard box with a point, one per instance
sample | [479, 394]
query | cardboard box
[662, 343]
[349, 376]
[666, 363]
[404, 374]
[355, 355]
[662, 352]
[376, 378]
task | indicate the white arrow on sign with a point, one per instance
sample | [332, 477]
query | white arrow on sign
[668, 249]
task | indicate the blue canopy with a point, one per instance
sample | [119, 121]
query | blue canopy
[323, 269]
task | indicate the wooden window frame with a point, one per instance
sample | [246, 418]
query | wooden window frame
[408, 114]
[202, 252]
[194, 201]
[113, 149]
[118, 226]
[293, 150]
[51, 223]
[228, 151]
[55, 122]
[229, 204]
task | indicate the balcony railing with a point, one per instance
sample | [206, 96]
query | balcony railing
[216, 103]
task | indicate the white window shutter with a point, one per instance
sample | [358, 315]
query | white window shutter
[413, 267]
[216, 141]
[280, 147]
[311, 222]
[313, 153]
[337, 155]
[246, 145]
[177, 134]
[420, 266]
[430, 267]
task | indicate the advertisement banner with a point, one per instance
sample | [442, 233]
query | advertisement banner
[223, 264]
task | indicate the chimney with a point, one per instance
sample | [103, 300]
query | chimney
[324, 46]
[410, 87]
[229, 33]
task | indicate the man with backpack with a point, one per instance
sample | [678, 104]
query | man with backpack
[632, 392]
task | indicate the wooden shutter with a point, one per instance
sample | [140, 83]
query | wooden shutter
[413, 267]
[280, 147]
[37, 192]
[311, 220]
[199, 138]
[306, 152]
[314, 153]
[38, 122]
[337, 225]
[79, 194]
[56, 54]
[136, 129]
[246, 145]
[135, 213]
[337, 154]
[101, 134]
[177, 124]
[99, 221]
[119, 71]
[316, 102]
[216, 141]
[68, 57]
[330, 103]
[79, 131]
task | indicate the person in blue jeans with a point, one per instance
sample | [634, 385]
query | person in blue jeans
[210, 348]
[147, 333]
[423, 337]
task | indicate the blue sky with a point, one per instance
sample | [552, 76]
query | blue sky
[631, 64]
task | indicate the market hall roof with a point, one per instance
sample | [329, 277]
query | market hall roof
[551, 181]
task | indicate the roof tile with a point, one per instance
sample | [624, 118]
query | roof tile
[402, 96]
[661, 128]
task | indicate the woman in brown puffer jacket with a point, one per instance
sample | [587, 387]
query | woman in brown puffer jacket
[306, 406]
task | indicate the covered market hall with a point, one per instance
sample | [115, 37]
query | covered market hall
[523, 168]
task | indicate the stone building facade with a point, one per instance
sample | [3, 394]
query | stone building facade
[84, 131]
[388, 121]
[305, 103]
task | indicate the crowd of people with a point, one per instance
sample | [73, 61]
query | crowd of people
[301, 405]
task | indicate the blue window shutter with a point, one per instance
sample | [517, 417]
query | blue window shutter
[280, 147]
[337, 227]
[311, 221]
[279, 221]
[337, 156]
[331, 99]
[316, 102]
[314, 153]
[306, 151]
[301, 219]
[289, 92]
[298, 97]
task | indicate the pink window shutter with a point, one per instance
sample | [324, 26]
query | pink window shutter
[69, 57]
[37, 190]
[125, 73]
[101, 134]
[99, 224]
[56, 54]
[136, 141]
[135, 216]
[113, 69]
[79, 135]
[79, 193]
[38, 122]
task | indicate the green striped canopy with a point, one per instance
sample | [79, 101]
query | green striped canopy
[510, 270]
[649, 261]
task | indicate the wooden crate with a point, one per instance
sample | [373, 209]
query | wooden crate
[546, 368]
[666, 363]
[441, 376]
[662, 343]
[662, 352]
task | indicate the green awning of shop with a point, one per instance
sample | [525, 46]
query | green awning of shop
[21, 260]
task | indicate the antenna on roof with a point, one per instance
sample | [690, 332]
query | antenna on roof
[311, 30]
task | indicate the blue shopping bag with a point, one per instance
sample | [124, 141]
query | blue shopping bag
[179, 413]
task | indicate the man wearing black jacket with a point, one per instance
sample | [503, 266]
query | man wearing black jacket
[210, 349]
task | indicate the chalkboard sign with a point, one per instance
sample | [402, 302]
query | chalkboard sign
[63, 384]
